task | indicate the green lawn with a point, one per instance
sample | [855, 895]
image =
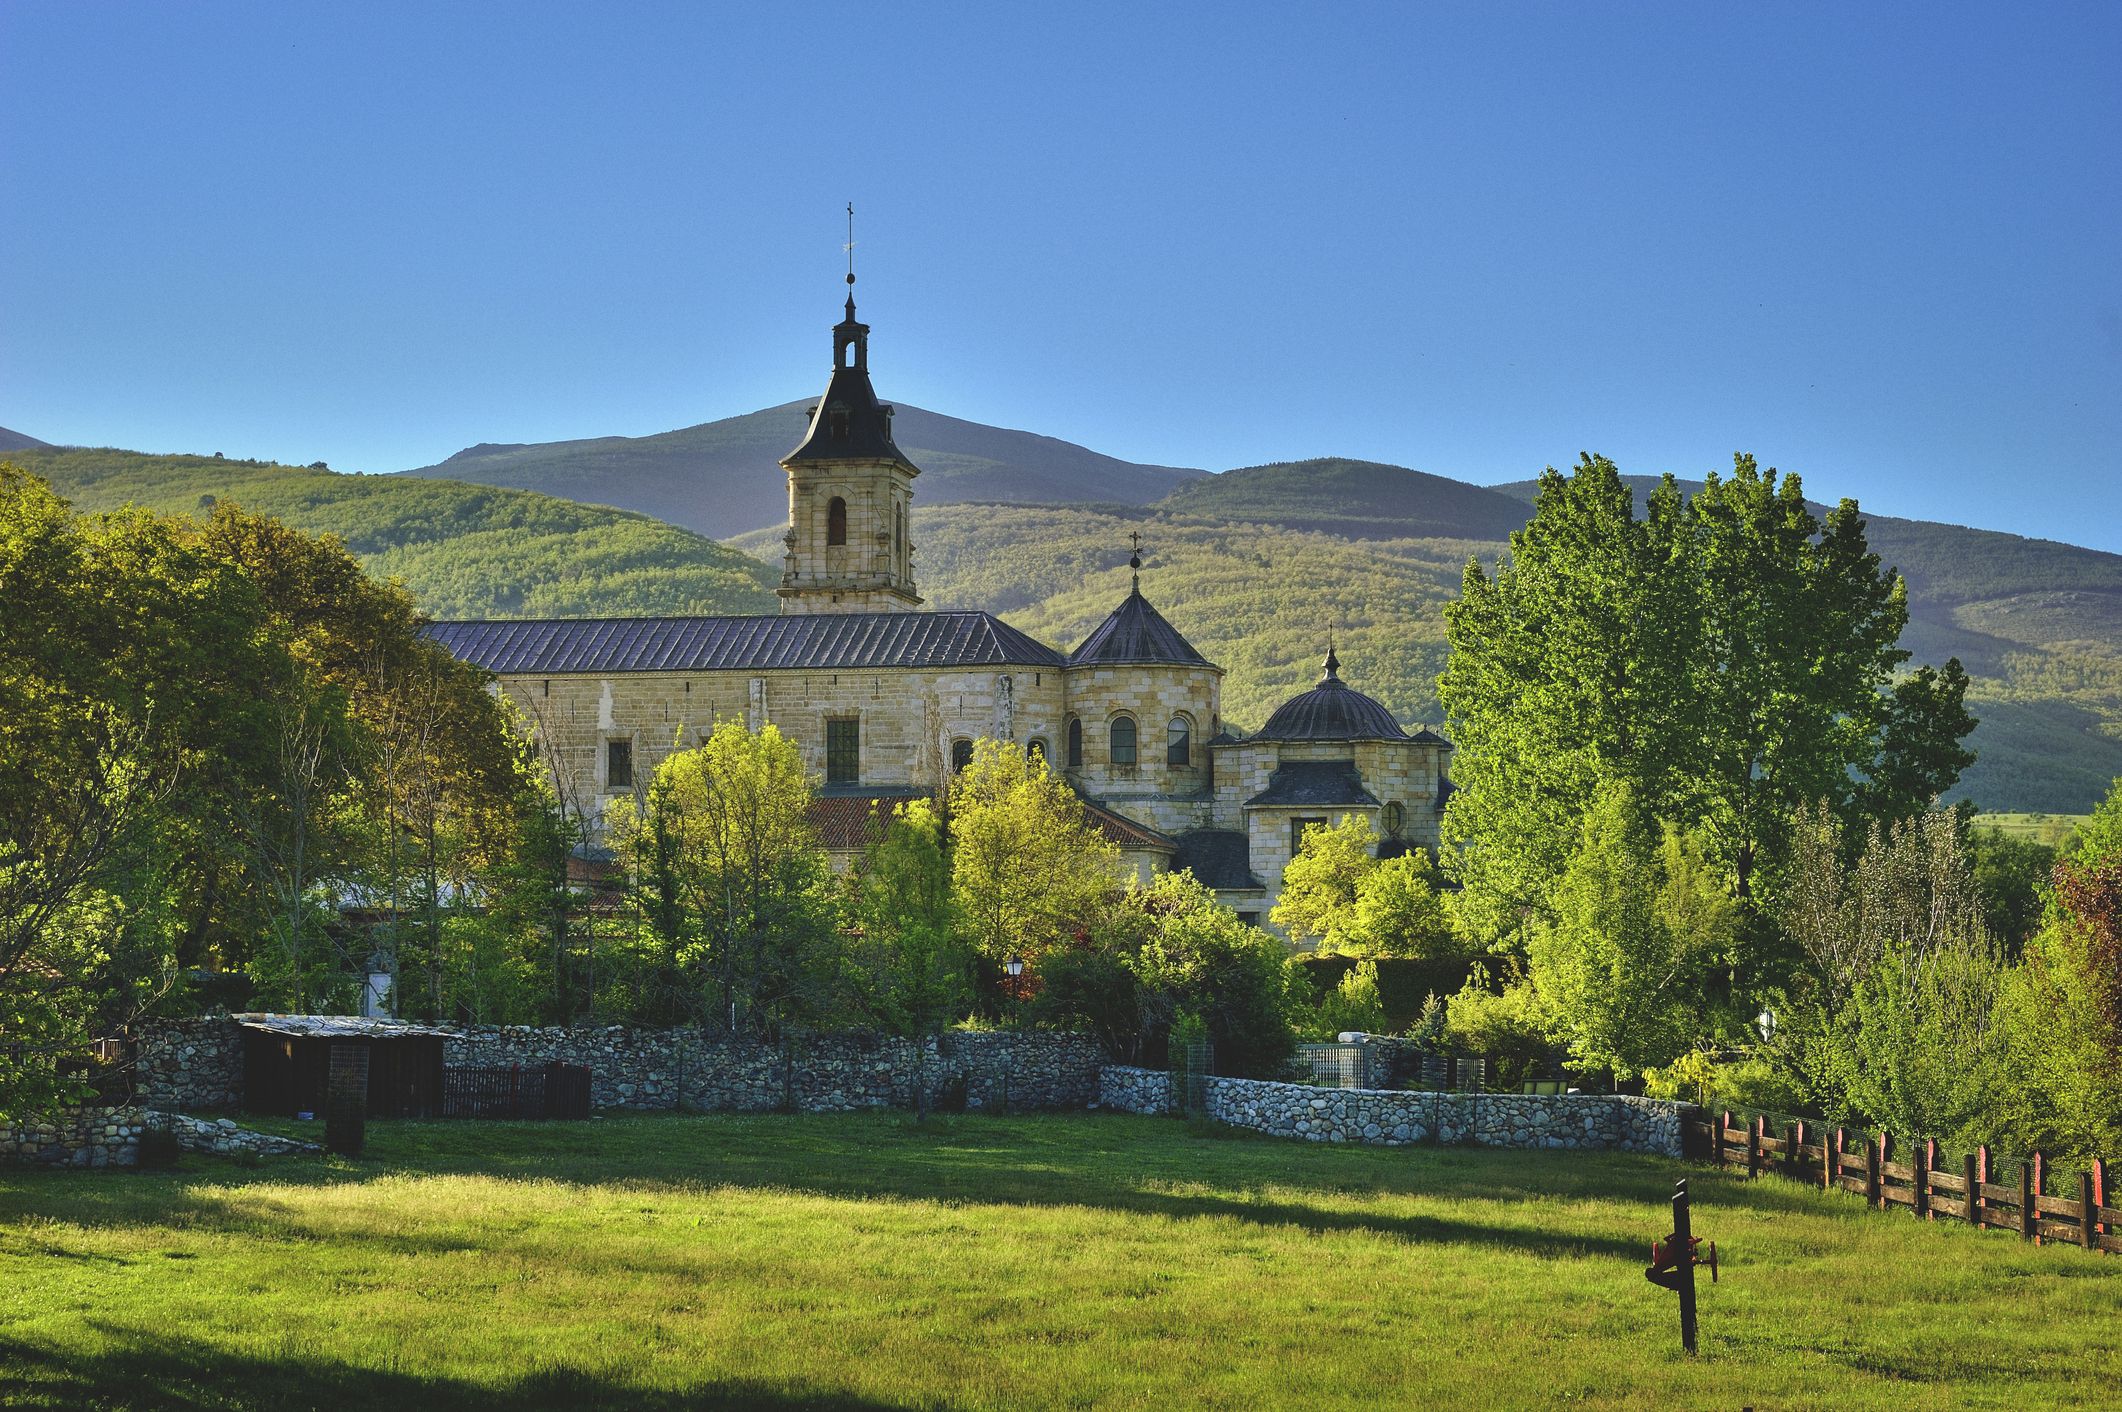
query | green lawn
[1083, 1261]
[2052, 829]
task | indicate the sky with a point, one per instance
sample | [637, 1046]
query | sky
[1876, 245]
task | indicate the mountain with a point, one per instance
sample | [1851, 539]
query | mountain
[463, 550]
[16, 441]
[1352, 499]
[724, 478]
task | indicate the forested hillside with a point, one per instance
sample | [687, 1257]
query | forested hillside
[723, 478]
[464, 550]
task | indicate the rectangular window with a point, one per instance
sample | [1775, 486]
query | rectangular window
[1296, 832]
[618, 764]
[843, 751]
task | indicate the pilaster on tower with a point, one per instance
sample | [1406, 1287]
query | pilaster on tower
[850, 496]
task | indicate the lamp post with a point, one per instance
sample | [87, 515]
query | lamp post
[1014, 969]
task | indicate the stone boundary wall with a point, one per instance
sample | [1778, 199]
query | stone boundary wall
[188, 1064]
[1618, 1122]
[197, 1065]
[827, 1073]
[110, 1137]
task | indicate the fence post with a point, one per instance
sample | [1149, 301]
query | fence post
[1920, 1197]
[1753, 1146]
[1793, 1139]
[1874, 1155]
[1982, 1175]
[2026, 1201]
[1723, 1122]
[2040, 1189]
[2087, 1237]
[1831, 1160]
[2099, 1176]
[1972, 1171]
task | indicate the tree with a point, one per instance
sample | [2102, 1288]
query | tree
[1029, 873]
[2011, 874]
[1400, 912]
[1189, 953]
[1353, 1006]
[1730, 658]
[1623, 971]
[725, 827]
[1319, 884]
[908, 970]
[1895, 1019]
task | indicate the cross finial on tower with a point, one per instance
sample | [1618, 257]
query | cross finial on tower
[850, 246]
[1134, 560]
[1333, 662]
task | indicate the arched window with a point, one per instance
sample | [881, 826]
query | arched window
[1036, 747]
[1179, 742]
[961, 754]
[1123, 740]
[1075, 743]
[836, 521]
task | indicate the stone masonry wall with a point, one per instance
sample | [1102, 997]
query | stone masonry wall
[110, 1137]
[1619, 1122]
[686, 1069]
[198, 1064]
[188, 1064]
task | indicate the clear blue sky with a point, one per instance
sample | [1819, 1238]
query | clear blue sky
[1878, 245]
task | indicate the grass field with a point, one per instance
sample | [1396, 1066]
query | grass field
[2051, 829]
[1084, 1261]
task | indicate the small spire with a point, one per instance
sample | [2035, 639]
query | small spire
[1333, 663]
[850, 248]
[1134, 561]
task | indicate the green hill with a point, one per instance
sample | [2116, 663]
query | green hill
[723, 478]
[463, 550]
[1352, 499]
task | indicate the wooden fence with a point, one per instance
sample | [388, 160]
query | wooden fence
[512, 1091]
[1924, 1180]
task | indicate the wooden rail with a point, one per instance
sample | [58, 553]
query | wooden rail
[1923, 1181]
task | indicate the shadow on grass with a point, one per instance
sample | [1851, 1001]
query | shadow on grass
[134, 1370]
[1107, 1163]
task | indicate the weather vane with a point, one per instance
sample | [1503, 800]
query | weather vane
[850, 246]
[1134, 560]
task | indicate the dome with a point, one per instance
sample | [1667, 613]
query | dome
[1332, 710]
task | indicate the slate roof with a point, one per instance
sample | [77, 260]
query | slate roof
[848, 422]
[1135, 632]
[1332, 710]
[332, 1026]
[795, 641]
[1220, 858]
[1315, 782]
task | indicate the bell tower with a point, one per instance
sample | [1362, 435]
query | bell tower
[850, 495]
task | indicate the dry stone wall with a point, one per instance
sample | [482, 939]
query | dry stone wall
[110, 1137]
[188, 1064]
[1618, 1122]
[697, 1072]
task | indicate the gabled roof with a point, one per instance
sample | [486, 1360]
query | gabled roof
[1135, 632]
[1315, 782]
[812, 641]
[1220, 858]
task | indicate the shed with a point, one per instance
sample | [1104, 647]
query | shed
[287, 1062]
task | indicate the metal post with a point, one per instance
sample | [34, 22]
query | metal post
[1684, 1242]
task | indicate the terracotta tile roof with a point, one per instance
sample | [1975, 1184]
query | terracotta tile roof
[848, 823]
[1124, 831]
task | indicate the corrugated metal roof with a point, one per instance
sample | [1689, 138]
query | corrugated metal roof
[812, 641]
[333, 1026]
[1136, 632]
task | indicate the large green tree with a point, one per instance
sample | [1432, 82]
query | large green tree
[1729, 657]
[1029, 872]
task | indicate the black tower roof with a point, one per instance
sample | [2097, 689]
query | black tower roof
[1332, 710]
[1136, 632]
[849, 423]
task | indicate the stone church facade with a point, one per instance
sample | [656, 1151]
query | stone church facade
[885, 699]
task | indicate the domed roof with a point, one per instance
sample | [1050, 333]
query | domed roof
[1332, 710]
